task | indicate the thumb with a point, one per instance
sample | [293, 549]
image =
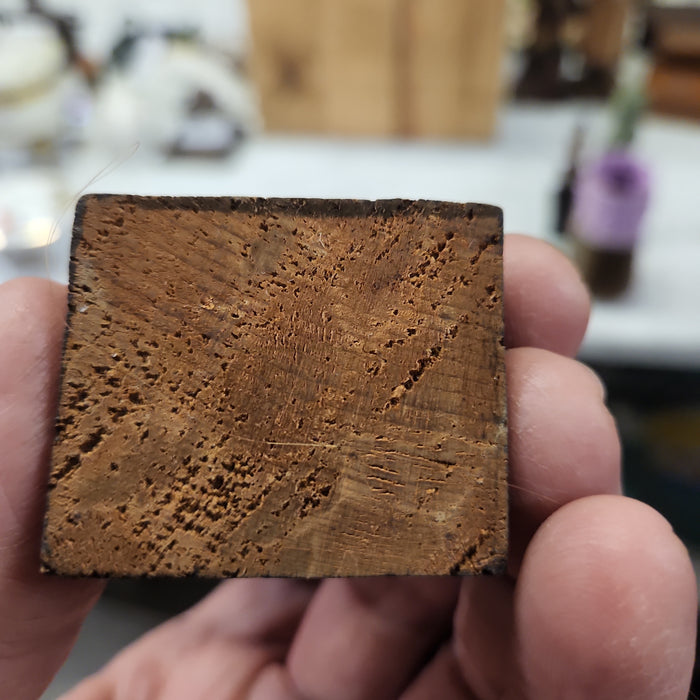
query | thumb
[40, 616]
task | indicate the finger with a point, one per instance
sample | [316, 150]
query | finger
[563, 443]
[203, 669]
[483, 636]
[366, 638]
[604, 601]
[441, 678]
[606, 605]
[274, 683]
[219, 648]
[546, 303]
[257, 611]
[562, 446]
[40, 615]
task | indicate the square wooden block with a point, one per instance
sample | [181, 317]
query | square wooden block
[277, 387]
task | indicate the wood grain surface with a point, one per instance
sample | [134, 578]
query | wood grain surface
[280, 387]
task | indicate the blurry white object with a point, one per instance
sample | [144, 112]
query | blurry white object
[148, 100]
[29, 212]
[33, 82]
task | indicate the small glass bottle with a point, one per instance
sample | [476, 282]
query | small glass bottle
[611, 197]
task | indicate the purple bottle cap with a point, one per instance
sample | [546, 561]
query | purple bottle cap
[610, 198]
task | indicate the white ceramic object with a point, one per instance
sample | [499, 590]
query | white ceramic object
[32, 82]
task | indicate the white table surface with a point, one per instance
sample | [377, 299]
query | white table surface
[656, 323]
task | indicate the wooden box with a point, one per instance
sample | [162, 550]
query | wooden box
[421, 68]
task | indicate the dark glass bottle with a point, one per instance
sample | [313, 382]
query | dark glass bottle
[565, 194]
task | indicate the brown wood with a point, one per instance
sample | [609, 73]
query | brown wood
[359, 50]
[676, 32]
[423, 68]
[288, 63]
[674, 88]
[281, 387]
[605, 32]
[455, 83]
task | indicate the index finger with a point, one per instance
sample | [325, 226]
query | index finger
[40, 615]
[546, 302]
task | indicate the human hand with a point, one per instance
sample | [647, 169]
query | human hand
[599, 601]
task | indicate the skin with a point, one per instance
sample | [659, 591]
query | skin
[599, 602]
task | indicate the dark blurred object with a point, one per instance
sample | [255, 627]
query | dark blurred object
[658, 415]
[674, 83]
[426, 68]
[676, 30]
[606, 272]
[171, 596]
[565, 193]
[674, 89]
[542, 78]
[207, 132]
[599, 31]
